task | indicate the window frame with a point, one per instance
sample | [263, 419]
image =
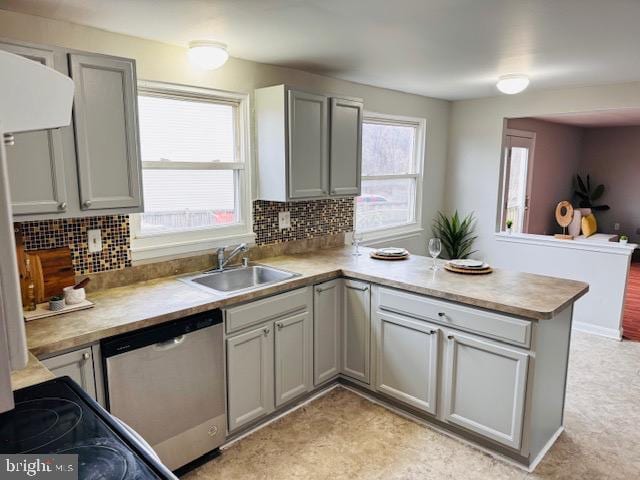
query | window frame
[151, 246]
[419, 149]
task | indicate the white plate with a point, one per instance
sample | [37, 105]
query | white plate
[467, 263]
[391, 252]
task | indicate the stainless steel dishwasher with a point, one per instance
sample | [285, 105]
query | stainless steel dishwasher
[167, 383]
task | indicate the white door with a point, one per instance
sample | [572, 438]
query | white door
[293, 357]
[356, 330]
[326, 331]
[518, 162]
[485, 386]
[250, 376]
[406, 358]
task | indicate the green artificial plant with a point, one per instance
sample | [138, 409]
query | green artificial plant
[455, 233]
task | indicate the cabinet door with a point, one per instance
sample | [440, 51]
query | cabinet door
[485, 388]
[78, 365]
[346, 146]
[326, 331]
[407, 360]
[293, 357]
[106, 125]
[356, 330]
[250, 376]
[308, 145]
[36, 162]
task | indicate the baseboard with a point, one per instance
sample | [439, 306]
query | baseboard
[597, 330]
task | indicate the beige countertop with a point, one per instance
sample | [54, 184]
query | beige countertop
[124, 309]
[34, 372]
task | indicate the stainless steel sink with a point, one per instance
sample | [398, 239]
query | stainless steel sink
[240, 278]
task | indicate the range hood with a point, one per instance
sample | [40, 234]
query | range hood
[32, 96]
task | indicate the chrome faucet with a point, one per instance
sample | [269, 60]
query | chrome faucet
[222, 261]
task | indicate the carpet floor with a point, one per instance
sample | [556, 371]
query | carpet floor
[341, 435]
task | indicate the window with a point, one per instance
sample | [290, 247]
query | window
[195, 178]
[392, 159]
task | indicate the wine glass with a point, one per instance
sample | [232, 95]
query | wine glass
[435, 247]
[357, 239]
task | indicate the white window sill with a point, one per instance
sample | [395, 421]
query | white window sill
[148, 249]
[576, 244]
[390, 234]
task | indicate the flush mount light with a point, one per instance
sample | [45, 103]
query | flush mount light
[207, 54]
[511, 84]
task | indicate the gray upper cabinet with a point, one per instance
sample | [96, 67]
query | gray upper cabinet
[36, 160]
[356, 330]
[293, 357]
[346, 146]
[308, 149]
[106, 127]
[250, 376]
[308, 144]
[485, 385]
[406, 355]
[326, 331]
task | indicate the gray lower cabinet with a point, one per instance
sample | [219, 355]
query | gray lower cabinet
[36, 160]
[250, 376]
[327, 306]
[106, 126]
[407, 357]
[78, 365]
[485, 385]
[346, 146]
[293, 357]
[356, 330]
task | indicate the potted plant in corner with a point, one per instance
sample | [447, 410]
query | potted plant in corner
[624, 239]
[456, 234]
[509, 224]
[586, 195]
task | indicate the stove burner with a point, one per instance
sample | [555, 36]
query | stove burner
[100, 462]
[36, 423]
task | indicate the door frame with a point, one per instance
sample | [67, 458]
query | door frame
[501, 217]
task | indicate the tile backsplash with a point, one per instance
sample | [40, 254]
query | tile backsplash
[309, 219]
[72, 232]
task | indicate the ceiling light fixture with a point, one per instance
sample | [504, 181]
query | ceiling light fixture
[511, 84]
[207, 54]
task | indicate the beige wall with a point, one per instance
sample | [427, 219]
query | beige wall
[475, 139]
[556, 158]
[161, 62]
[612, 157]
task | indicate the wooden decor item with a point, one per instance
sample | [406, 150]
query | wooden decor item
[564, 215]
[52, 270]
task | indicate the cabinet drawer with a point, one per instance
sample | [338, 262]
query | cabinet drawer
[259, 311]
[495, 325]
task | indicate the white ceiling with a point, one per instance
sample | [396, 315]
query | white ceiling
[621, 117]
[449, 49]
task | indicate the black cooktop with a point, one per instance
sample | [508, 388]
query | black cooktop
[58, 417]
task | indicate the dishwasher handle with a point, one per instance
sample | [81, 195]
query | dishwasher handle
[169, 344]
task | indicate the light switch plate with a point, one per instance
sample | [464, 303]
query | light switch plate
[284, 220]
[94, 239]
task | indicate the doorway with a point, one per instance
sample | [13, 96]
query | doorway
[518, 165]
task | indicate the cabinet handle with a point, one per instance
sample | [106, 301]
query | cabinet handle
[432, 332]
[87, 204]
[279, 325]
[451, 337]
[62, 206]
[442, 314]
[324, 289]
[265, 331]
[360, 289]
[9, 139]
[86, 356]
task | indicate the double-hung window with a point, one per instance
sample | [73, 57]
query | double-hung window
[392, 161]
[194, 145]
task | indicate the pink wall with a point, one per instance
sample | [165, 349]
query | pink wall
[556, 160]
[612, 156]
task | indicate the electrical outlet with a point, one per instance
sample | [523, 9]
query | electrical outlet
[94, 239]
[284, 220]
[616, 226]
